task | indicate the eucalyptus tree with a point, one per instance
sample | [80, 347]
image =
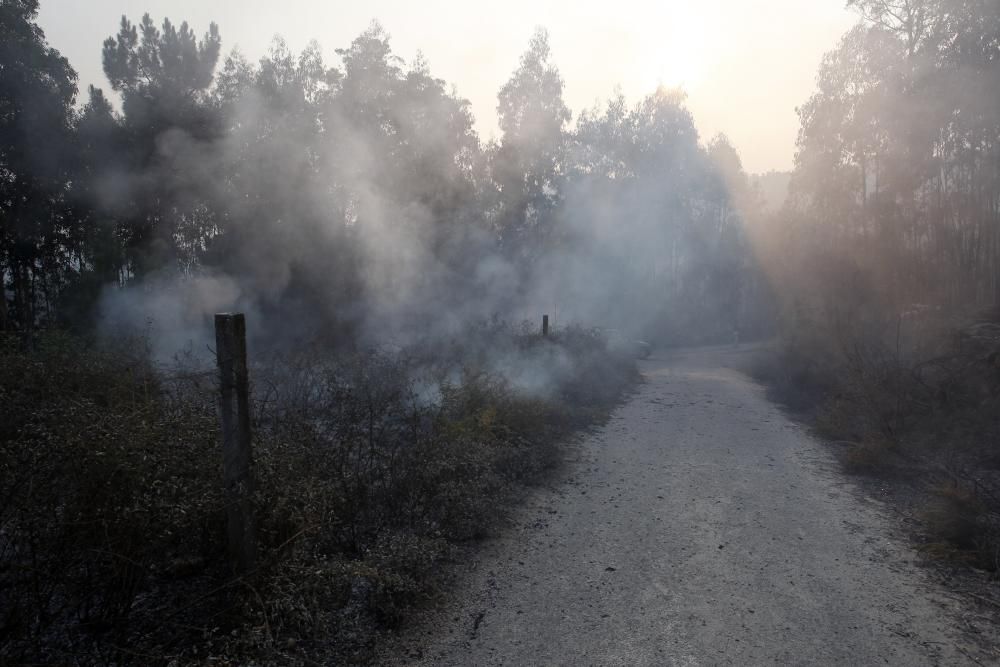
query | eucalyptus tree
[899, 146]
[528, 163]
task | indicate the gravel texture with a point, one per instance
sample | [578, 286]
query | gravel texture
[699, 526]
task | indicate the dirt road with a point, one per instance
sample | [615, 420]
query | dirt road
[700, 526]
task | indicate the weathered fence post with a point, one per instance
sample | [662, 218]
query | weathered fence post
[231, 353]
[545, 325]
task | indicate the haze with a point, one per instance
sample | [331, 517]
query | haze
[439, 334]
[745, 66]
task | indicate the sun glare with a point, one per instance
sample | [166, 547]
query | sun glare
[678, 53]
[676, 67]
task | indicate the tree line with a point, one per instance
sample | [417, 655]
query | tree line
[356, 196]
[897, 180]
[887, 255]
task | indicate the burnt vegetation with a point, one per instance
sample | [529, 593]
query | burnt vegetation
[372, 472]
[380, 250]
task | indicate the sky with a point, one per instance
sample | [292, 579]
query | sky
[745, 64]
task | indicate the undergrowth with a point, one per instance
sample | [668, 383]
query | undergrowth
[371, 471]
[911, 399]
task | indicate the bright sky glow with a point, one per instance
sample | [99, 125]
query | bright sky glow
[745, 64]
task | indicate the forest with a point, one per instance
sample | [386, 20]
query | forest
[355, 200]
[394, 267]
[888, 267]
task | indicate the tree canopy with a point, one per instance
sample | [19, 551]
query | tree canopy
[356, 198]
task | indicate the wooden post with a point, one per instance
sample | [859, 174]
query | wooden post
[545, 325]
[234, 386]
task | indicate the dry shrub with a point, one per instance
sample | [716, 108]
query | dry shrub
[954, 516]
[913, 388]
[869, 457]
[372, 471]
[104, 492]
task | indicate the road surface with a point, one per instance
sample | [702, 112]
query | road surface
[700, 526]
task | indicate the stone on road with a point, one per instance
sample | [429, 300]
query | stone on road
[699, 526]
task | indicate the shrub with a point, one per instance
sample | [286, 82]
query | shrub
[104, 471]
[371, 471]
[914, 393]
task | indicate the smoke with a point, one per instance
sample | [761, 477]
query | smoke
[173, 313]
[359, 207]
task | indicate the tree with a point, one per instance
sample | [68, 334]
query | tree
[652, 223]
[280, 229]
[897, 154]
[912, 20]
[164, 78]
[527, 165]
[37, 91]
[161, 75]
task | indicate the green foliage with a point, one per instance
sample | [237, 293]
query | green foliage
[162, 74]
[169, 59]
[359, 194]
[38, 231]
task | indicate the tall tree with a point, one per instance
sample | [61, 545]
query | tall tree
[898, 151]
[164, 76]
[527, 164]
[912, 20]
[37, 91]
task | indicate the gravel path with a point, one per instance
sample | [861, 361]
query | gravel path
[700, 526]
